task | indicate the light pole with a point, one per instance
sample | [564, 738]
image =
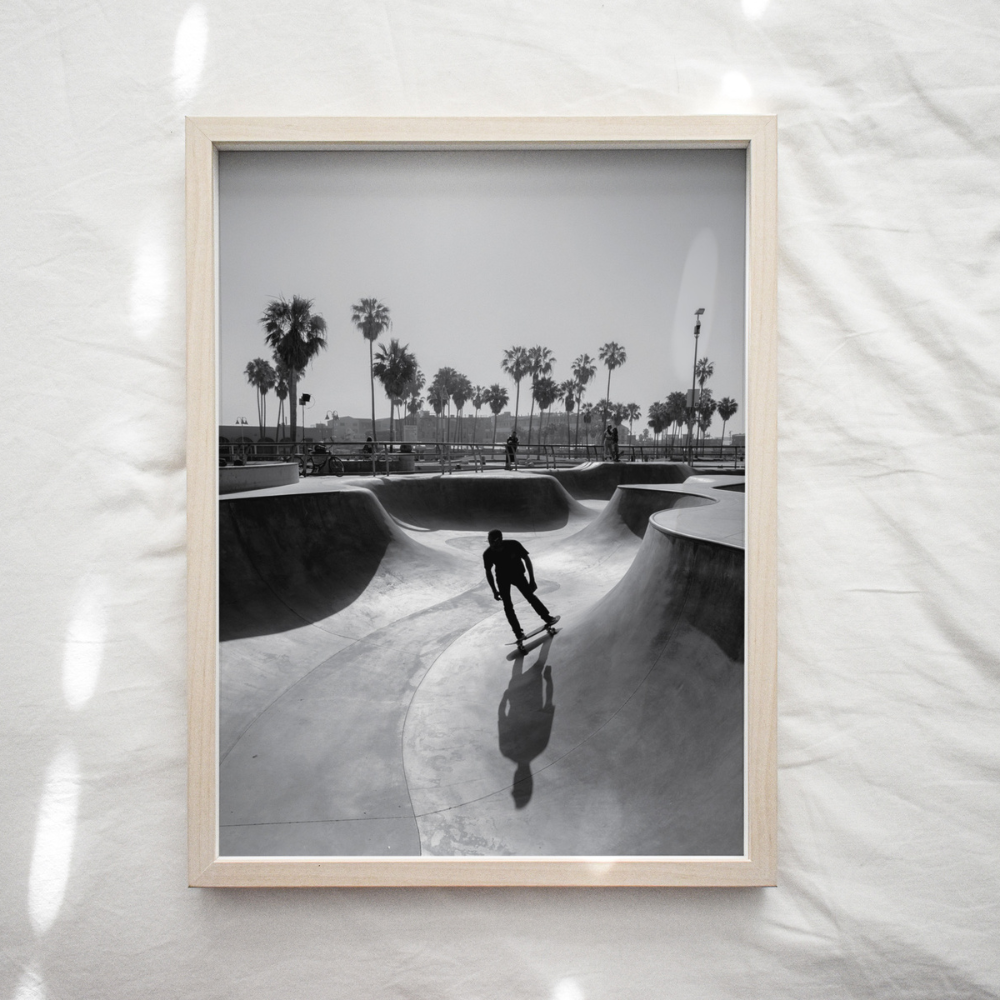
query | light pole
[694, 375]
[303, 399]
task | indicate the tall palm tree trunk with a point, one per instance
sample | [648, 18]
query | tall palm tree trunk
[293, 384]
[371, 379]
[517, 403]
[607, 399]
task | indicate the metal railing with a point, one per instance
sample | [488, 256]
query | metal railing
[383, 458]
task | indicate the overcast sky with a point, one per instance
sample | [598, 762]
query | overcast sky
[474, 252]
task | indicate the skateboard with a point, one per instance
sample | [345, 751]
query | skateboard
[550, 628]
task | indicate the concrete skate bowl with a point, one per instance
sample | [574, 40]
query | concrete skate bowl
[628, 511]
[477, 502]
[294, 559]
[598, 480]
[639, 748]
[654, 684]
[735, 484]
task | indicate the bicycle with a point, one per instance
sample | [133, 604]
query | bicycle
[320, 464]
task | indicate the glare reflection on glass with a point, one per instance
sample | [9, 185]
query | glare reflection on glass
[697, 290]
[54, 836]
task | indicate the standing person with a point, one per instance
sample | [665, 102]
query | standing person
[508, 558]
[510, 452]
[608, 441]
[614, 444]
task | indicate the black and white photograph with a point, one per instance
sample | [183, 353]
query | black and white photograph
[481, 524]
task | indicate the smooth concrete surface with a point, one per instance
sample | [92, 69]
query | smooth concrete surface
[599, 480]
[396, 725]
[257, 476]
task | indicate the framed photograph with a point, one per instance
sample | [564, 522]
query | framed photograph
[481, 501]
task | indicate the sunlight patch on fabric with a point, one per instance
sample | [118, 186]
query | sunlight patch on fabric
[189, 52]
[54, 837]
[30, 986]
[83, 651]
[149, 287]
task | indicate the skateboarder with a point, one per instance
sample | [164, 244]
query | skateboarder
[509, 559]
[510, 452]
[609, 444]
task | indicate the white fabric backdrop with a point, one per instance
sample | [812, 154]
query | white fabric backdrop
[889, 411]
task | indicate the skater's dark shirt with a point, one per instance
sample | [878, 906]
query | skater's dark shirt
[507, 561]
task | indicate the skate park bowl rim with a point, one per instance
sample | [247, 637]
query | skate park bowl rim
[722, 520]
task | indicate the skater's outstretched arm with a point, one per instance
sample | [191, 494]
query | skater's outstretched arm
[493, 586]
[532, 586]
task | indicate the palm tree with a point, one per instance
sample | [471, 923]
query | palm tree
[727, 408]
[545, 392]
[281, 391]
[477, 404]
[515, 364]
[604, 407]
[587, 412]
[584, 369]
[446, 380]
[657, 414]
[438, 398]
[613, 355]
[496, 397]
[413, 408]
[412, 392]
[394, 366]
[262, 377]
[703, 371]
[371, 317]
[569, 393]
[296, 336]
[461, 390]
[540, 361]
[632, 412]
[705, 411]
[677, 410]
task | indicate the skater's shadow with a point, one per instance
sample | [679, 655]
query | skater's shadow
[524, 719]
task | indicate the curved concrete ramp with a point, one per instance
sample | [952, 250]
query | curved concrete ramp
[415, 735]
[509, 501]
[598, 480]
[288, 560]
[629, 724]
[630, 509]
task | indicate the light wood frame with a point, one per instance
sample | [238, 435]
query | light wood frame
[756, 134]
